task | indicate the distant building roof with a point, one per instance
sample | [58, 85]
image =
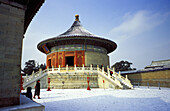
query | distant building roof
[161, 63]
[155, 66]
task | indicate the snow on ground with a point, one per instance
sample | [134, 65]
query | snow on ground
[139, 99]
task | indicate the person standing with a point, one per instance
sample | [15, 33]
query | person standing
[37, 89]
[28, 93]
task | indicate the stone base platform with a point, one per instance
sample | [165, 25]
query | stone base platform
[25, 105]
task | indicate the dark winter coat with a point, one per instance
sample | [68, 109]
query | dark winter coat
[28, 93]
[37, 89]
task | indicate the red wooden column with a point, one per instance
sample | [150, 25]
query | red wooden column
[60, 59]
[52, 60]
[56, 60]
[83, 61]
[47, 62]
[75, 58]
[63, 59]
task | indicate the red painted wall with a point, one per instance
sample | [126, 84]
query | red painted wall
[58, 58]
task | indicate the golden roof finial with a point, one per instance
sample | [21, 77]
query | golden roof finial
[76, 17]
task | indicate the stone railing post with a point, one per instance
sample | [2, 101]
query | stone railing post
[26, 77]
[119, 75]
[59, 68]
[33, 74]
[40, 70]
[83, 68]
[113, 70]
[75, 68]
[97, 67]
[126, 77]
[67, 68]
[91, 67]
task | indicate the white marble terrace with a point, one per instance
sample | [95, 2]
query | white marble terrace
[115, 78]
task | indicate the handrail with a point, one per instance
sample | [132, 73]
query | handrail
[115, 76]
[122, 79]
[33, 78]
[111, 79]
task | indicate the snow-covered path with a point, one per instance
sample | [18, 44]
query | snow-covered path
[140, 99]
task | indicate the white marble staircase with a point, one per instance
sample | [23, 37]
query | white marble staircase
[115, 78]
[34, 77]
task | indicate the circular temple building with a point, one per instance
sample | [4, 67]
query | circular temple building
[77, 46]
[75, 58]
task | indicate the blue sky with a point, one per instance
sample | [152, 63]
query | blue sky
[141, 28]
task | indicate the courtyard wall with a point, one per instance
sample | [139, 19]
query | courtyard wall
[11, 37]
[151, 78]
